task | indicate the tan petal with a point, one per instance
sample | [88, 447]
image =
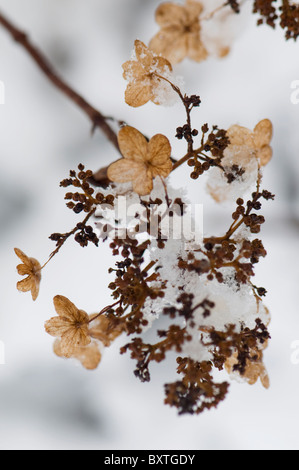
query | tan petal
[23, 269]
[35, 289]
[143, 185]
[89, 356]
[133, 145]
[265, 155]
[170, 43]
[143, 54]
[57, 326]
[66, 309]
[104, 331]
[138, 92]
[193, 8]
[22, 256]
[196, 49]
[239, 136]
[133, 70]
[124, 171]
[159, 149]
[26, 284]
[169, 14]
[73, 338]
[161, 64]
[263, 132]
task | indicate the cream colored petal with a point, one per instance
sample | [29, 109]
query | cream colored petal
[170, 43]
[125, 171]
[265, 155]
[65, 308]
[196, 49]
[143, 54]
[138, 93]
[133, 70]
[26, 284]
[159, 150]
[263, 133]
[22, 256]
[133, 145]
[143, 185]
[169, 14]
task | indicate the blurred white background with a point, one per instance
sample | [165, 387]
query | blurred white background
[48, 403]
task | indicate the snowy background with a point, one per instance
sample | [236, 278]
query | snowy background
[48, 403]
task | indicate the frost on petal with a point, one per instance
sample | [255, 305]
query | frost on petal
[169, 14]
[123, 171]
[132, 144]
[239, 135]
[143, 54]
[133, 70]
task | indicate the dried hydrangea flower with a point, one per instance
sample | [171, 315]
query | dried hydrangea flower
[89, 356]
[144, 84]
[71, 326]
[32, 269]
[142, 160]
[180, 33]
[257, 140]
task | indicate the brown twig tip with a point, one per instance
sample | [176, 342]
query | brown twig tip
[96, 117]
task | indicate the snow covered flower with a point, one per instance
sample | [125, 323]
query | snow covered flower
[144, 84]
[257, 140]
[89, 356]
[180, 33]
[71, 326]
[32, 269]
[142, 161]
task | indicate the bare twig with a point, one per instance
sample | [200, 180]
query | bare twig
[96, 117]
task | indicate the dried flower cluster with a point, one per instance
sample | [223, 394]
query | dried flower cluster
[216, 317]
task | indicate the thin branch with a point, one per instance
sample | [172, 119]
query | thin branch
[96, 117]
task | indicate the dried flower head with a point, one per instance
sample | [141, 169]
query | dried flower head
[89, 356]
[71, 326]
[142, 161]
[32, 269]
[257, 140]
[142, 75]
[254, 369]
[180, 33]
[103, 330]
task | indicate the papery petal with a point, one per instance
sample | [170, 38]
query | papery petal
[138, 92]
[159, 150]
[22, 256]
[143, 185]
[23, 269]
[73, 338]
[35, 289]
[133, 70]
[263, 132]
[171, 43]
[171, 14]
[193, 8]
[239, 135]
[57, 326]
[89, 356]
[133, 145]
[143, 54]
[25, 285]
[265, 155]
[196, 49]
[64, 307]
[124, 171]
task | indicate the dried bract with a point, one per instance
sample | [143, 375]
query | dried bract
[32, 268]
